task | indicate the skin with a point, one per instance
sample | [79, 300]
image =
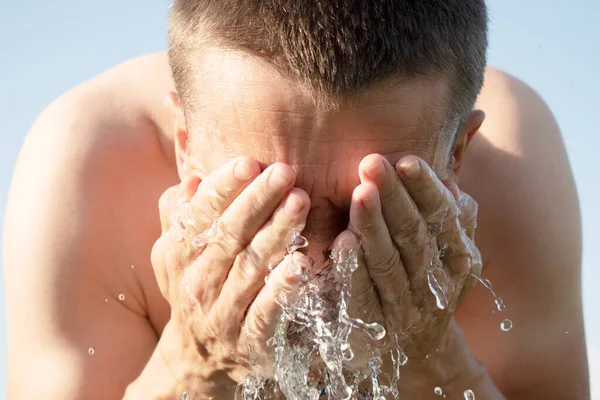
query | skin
[92, 170]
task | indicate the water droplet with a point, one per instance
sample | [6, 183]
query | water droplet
[185, 396]
[295, 242]
[427, 356]
[506, 325]
[253, 355]
[374, 330]
[434, 286]
[132, 266]
[566, 332]
[500, 304]
[488, 285]
[347, 353]
[91, 351]
[271, 342]
[469, 395]
[198, 242]
[438, 391]
[121, 297]
[106, 300]
[443, 249]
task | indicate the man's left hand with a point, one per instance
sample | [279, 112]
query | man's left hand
[417, 237]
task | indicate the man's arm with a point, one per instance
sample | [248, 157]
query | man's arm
[63, 271]
[530, 235]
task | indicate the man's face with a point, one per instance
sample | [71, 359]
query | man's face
[244, 107]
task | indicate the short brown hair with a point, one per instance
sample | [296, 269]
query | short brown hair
[340, 47]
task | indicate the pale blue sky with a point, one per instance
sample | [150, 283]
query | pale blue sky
[48, 47]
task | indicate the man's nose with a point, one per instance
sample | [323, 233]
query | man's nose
[323, 224]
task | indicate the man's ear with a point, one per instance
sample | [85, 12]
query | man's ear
[470, 128]
[180, 136]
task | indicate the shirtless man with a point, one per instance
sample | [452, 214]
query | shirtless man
[325, 131]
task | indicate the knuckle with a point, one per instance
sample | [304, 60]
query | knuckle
[364, 295]
[249, 267]
[385, 267]
[413, 231]
[389, 193]
[259, 323]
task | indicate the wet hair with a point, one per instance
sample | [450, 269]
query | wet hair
[339, 48]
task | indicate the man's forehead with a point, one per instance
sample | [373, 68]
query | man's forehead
[241, 95]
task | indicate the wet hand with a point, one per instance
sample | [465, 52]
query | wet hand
[220, 237]
[418, 251]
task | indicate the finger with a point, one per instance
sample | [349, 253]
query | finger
[438, 207]
[468, 214]
[253, 208]
[170, 257]
[434, 201]
[174, 198]
[216, 192]
[364, 300]
[264, 312]
[266, 250]
[405, 224]
[381, 257]
[167, 206]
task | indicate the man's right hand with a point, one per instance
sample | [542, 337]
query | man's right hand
[222, 310]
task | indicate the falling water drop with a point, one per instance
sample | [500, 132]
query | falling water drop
[488, 285]
[438, 391]
[506, 325]
[121, 297]
[469, 395]
[91, 351]
[500, 304]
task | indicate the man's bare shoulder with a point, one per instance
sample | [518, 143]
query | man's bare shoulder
[529, 232]
[84, 195]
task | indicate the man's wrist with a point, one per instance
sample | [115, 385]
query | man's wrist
[452, 368]
[170, 373]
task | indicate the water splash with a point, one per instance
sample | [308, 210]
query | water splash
[313, 354]
[469, 395]
[375, 363]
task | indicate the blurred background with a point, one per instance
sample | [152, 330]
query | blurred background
[49, 47]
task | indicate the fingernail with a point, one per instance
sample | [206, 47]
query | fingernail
[243, 171]
[293, 206]
[377, 171]
[411, 169]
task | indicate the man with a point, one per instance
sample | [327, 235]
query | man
[347, 123]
